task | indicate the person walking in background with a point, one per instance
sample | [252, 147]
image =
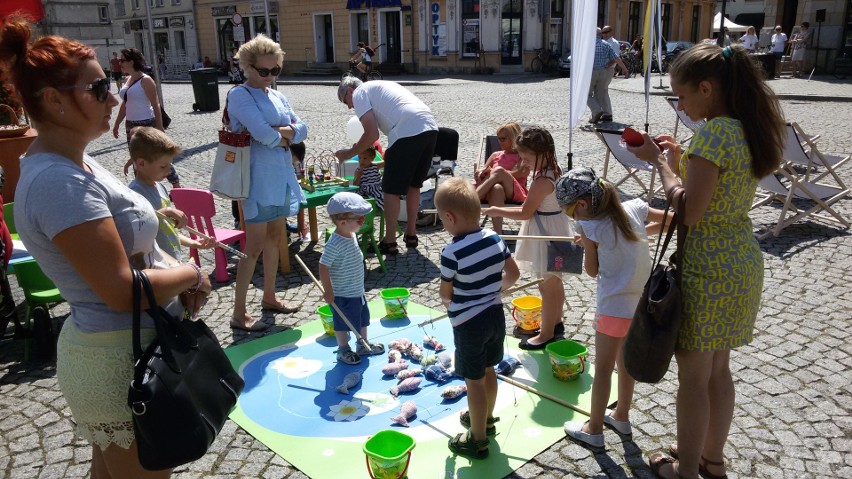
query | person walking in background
[412, 133]
[275, 193]
[115, 70]
[800, 41]
[721, 262]
[779, 43]
[598, 101]
[475, 267]
[87, 231]
[749, 40]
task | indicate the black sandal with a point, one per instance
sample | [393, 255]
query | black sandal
[658, 460]
[469, 448]
[490, 428]
[388, 248]
[411, 241]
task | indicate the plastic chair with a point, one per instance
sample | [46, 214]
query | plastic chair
[9, 218]
[199, 207]
[38, 289]
[367, 233]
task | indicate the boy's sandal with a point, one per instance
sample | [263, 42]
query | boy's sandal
[411, 241]
[490, 428]
[470, 447]
[658, 460]
[388, 248]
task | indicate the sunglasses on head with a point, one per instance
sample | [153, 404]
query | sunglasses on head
[264, 72]
[99, 87]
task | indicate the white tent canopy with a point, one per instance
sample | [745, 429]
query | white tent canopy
[731, 26]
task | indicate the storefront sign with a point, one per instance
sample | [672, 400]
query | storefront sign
[257, 7]
[439, 32]
[176, 21]
[159, 23]
[224, 11]
[358, 4]
[135, 25]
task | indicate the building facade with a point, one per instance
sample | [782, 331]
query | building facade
[91, 22]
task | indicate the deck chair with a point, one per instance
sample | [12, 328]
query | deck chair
[199, 207]
[801, 150]
[683, 118]
[794, 188]
[634, 166]
[487, 146]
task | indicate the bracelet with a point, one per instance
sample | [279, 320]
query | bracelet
[194, 289]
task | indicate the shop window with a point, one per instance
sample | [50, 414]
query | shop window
[696, 18]
[633, 14]
[260, 27]
[470, 28]
[666, 16]
[359, 29]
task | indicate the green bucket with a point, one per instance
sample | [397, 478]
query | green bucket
[388, 454]
[396, 302]
[567, 359]
[324, 313]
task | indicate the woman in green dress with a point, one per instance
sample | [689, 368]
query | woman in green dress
[722, 271]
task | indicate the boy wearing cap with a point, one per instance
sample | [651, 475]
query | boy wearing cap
[342, 274]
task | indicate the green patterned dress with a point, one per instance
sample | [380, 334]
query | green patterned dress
[722, 265]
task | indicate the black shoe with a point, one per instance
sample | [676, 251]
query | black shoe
[606, 118]
[559, 329]
[526, 345]
[521, 333]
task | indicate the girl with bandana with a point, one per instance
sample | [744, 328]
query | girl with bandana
[613, 235]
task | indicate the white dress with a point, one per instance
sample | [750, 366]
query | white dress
[531, 255]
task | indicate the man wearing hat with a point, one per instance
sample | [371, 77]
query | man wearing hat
[342, 274]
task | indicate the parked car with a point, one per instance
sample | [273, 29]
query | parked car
[564, 65]
[673, 49]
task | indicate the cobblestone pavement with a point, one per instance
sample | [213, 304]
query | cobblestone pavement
[793, 416]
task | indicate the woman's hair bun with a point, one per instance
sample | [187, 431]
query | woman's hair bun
[15, 36]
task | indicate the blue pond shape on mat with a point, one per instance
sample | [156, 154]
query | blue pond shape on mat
[291, 390]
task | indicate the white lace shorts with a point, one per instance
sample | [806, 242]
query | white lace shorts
[94, 371]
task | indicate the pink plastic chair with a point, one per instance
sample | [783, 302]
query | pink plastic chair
[200, 209]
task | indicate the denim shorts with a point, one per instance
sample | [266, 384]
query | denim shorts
[479, 342]
[356, 312]
[265, 214]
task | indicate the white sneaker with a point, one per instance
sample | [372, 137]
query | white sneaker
[575, 431]
[621, 427]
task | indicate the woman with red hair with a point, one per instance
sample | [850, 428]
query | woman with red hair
[87, 230]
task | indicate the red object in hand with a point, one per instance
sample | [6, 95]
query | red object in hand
[632, 137]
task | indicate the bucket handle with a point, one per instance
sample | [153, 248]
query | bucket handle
[513, 313]
[582, 363]
[399, 300]
[407, 462]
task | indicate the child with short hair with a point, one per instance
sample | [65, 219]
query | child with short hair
[151, 152]
[368, 178]
[342, 274]
[475, 268]
[613, 235]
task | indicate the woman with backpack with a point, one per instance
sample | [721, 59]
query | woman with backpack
[365, 54]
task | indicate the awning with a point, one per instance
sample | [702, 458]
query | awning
[33, 8]
[729, 24]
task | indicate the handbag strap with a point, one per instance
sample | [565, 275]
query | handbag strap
[124, 98]
[541, 226]
[137, 311]
[226, 118]
[677, 221]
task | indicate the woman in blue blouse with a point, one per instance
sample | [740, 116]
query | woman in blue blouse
[275, 192]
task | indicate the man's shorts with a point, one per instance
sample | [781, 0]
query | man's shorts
[407, 162]
[479, 342]
[356, 312]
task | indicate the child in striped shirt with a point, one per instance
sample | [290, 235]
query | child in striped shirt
[475, 268]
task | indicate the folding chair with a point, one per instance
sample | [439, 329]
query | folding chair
[683, 118]
[487, 146]
[820, 196]
[611, 139]
[801, 150]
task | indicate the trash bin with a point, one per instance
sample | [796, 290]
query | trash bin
[205, 87]
[767, 63]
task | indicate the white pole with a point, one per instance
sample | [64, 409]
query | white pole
[153, 51]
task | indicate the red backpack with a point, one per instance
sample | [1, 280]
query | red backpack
[369, 50]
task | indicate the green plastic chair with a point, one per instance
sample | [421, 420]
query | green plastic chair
[38, 289]
[9, 218]
[367, 233]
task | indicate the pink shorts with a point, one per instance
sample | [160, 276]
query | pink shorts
[612, 325]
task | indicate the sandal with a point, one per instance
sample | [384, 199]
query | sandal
[658, 460]
[411, 241]
[469, 448]
[702, 469]
[388, 248]
[490, 428]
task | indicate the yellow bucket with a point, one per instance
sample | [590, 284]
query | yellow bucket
[526, 311]
[396, 302]
[327, 319]
[388, 454]
[567, 359]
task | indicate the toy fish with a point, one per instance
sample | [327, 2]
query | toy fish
[406, 412]
[428, 359]
[350, 380]
[452, 392]
[436, 373]
[507, 366]
[445, 359]
[405, 386]
[415, 352]
[394, 356]
[408, 373]
[400, 344]
[391, 369]
[432, 342]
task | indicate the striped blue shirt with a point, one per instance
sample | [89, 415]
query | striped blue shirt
[474, 264]
[345, 264]
[603, 54]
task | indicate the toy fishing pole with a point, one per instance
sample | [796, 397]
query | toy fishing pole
[543, 394]
[504, 293]
[536, 238]
[219, 244]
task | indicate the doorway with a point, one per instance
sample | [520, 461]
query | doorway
[161, 42]
[324, 43]
[392, 38]
[511, 24]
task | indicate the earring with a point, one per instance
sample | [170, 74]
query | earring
[62, 111]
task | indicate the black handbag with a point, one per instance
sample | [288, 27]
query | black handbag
[183, 387]
[652, 338]
[167, 120]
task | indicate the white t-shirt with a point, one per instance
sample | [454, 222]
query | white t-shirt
[623, 265]
[779, 41]
[749, 42]
[616, 47]
[399, 113]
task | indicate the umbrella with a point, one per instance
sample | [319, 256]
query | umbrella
[33, 8]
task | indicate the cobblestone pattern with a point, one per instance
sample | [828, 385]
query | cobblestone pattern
[792, 417]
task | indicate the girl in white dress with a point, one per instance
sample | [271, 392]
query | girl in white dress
[541, 216]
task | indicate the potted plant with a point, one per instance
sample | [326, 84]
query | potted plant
[11, 111]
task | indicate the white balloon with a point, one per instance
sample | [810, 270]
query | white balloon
[354, 130]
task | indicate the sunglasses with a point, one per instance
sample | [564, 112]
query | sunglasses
[99, 87]
[264, 72]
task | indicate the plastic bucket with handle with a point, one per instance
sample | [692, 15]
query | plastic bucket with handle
[388, 454]
[396, 302]
[324, 313]
[526, 311]
[567, 359]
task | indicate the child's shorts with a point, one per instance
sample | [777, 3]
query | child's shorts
[612, 325]
[356, 312]
[479, 342]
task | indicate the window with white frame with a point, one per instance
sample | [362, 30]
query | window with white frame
[103, 14]
[136, 4]
[470, 29]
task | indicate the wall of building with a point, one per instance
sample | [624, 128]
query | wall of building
[81, 20]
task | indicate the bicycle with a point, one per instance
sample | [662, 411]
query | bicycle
[633, 62]
[544, 61]
[357, 73]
